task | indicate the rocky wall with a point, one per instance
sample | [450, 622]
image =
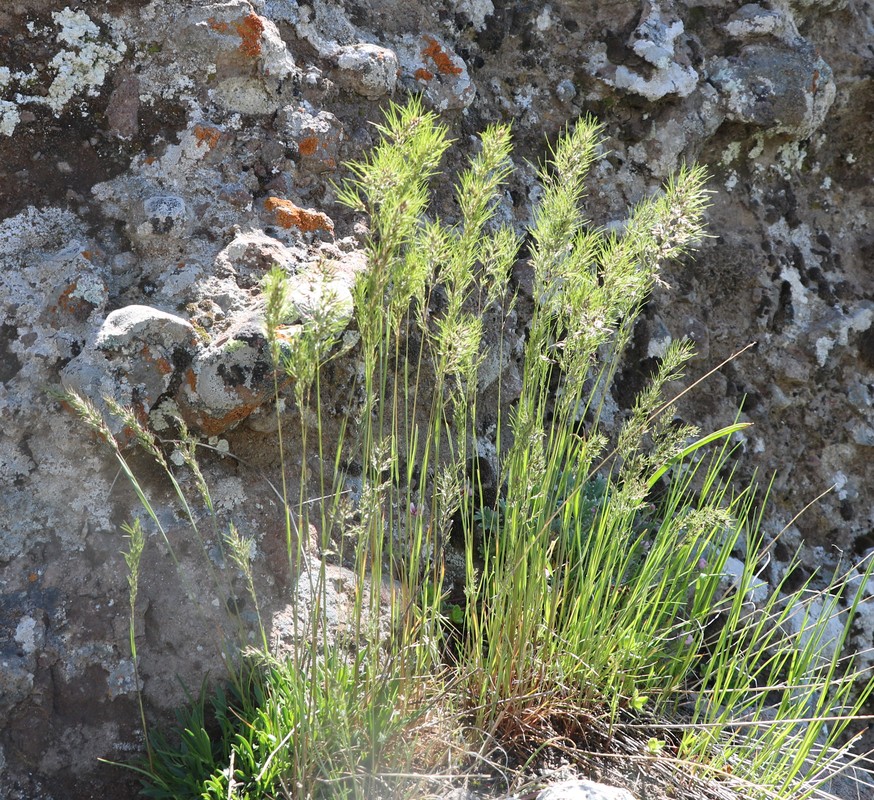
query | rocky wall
[157, 157]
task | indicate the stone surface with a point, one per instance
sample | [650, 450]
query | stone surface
[430, 66]
[783, 90]
[584, 790]
[157, 157]
[367, 69]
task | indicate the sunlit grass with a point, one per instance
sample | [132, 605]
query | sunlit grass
[593, 584]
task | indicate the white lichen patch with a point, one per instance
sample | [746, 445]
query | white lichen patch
[730, 154]
[476, 11]
[544, 19]
[790, 159]
[758, 148]
[230, 494]
[798, 291]
[26, 634]
[82, 66]
[220, 445]
[658, 346]
[9, 116]
[859, 321]
[823, 347]
[675, 79]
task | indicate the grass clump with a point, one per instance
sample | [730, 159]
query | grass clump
[594, 600]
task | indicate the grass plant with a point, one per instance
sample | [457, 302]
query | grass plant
[594, 586]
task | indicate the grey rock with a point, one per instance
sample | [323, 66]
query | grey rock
[324, 25]
[653, 39]
[318, 135]
[584, 790]
[229, 379]
[657, 40]
[753, 20]
[53, 292]
[251, 255]
[234, 375]
[367, 69]
[777, 88]
[566, 90]
[330, 590]
[165, 215]
[233, 37]
[129, 328]
[477, 11]
[429, 65]
[137, 355]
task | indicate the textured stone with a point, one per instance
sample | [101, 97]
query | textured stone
[753, 20]
[135, 358]
[125, 330]
[584, 790]
[252, 254]
[228, 379]
[165, 215]
[318, 135]
[655, 40]
[781, 90]
[430, 66]
[368, 69]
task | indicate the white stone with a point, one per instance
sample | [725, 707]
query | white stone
[135, 323]
[276, 60]
[584, 790]
[805, 620]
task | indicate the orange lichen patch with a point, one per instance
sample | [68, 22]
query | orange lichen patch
[288, 215]
[33, 577]
[308, 145]
[86, 254]
[441, 60]
[162, 364]
[150, 160]
[423, 74]
[250, 30]
[77, 307]
[221, 27]
[212, 426]
[206, 134]
[191, 379]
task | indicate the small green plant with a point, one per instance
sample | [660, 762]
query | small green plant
[587, 595]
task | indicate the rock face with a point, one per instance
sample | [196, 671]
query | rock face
[158, 157]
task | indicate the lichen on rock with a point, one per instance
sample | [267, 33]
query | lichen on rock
[80, 67]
